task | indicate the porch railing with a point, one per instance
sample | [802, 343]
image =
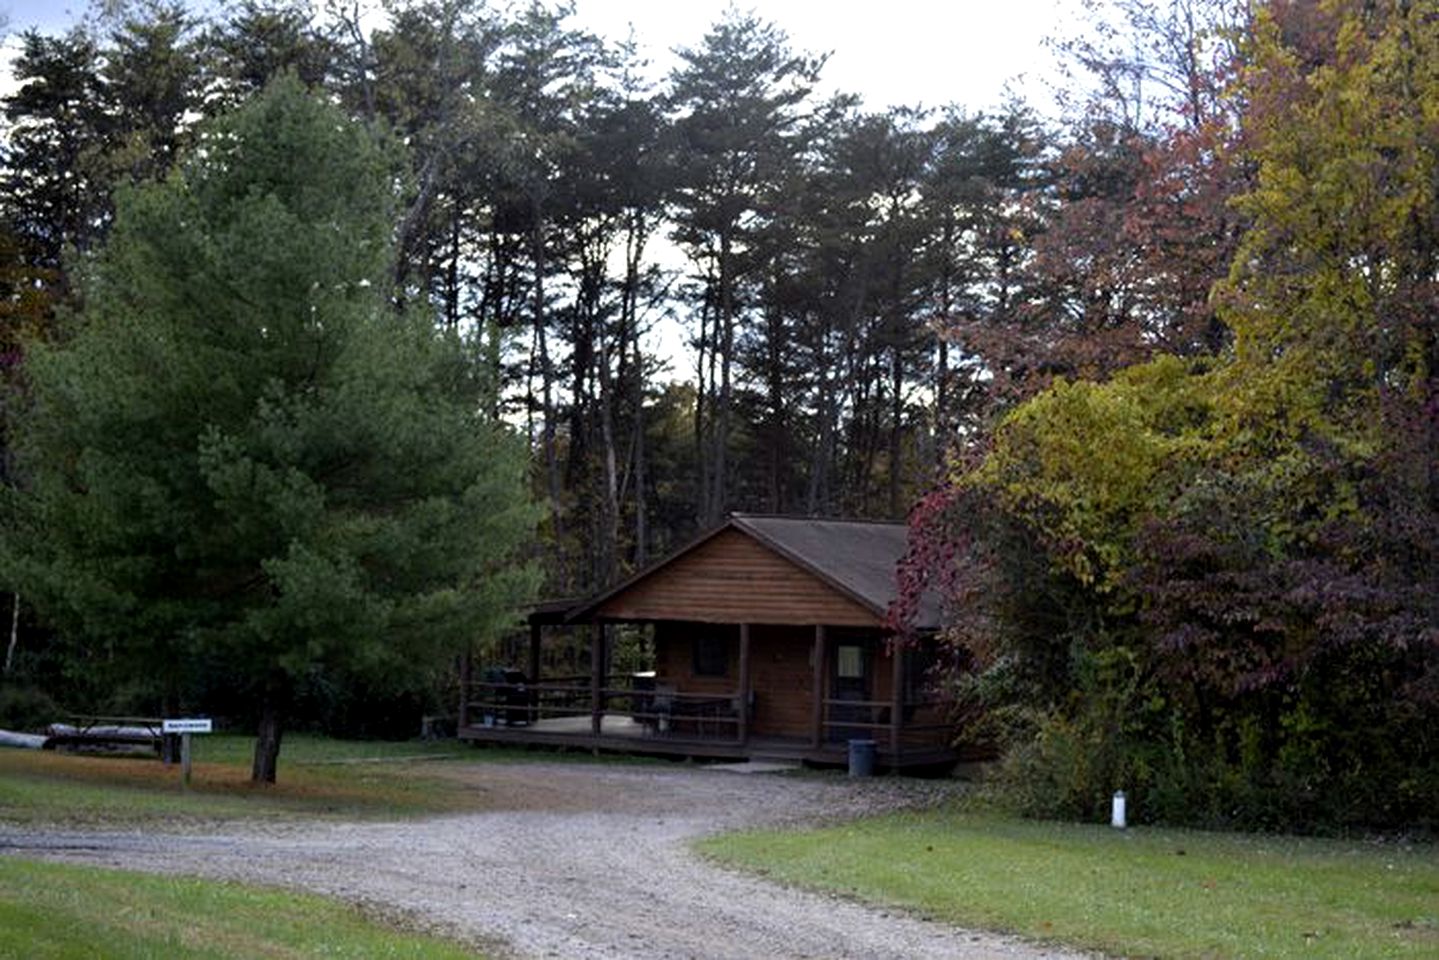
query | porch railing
[921, 722]
[660, 712]
[712, 717]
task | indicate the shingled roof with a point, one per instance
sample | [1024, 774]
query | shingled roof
[857, 558]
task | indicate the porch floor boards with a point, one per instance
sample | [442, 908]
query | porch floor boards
[623, 734]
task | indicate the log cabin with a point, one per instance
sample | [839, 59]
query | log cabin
[769, 640]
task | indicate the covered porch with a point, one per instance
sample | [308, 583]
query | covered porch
[753, 655]
[660, 713]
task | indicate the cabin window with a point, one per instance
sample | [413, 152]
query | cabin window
[919, 669]
[711, 655]
[849, 662]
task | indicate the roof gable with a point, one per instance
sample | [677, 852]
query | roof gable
[733, 578]
[758, 569]
[859, 557]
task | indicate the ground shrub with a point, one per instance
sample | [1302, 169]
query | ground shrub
[1284, 780]
[26, 708]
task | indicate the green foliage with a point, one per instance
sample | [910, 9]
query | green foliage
[243, 455]
[26, 708]
[1327, 291]
[1235, 640]
[1233, 616]
[1147, 424]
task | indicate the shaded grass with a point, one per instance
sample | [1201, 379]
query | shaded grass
[305, 750]
[79, 789]
[60, 911]
[302, 749]
[1151, 892]
[318, 776]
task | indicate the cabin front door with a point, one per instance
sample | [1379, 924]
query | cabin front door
[851, 680]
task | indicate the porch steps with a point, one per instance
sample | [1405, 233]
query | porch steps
[756, 765]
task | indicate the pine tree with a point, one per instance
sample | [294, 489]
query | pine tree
[58, 166]
[740, 97]
[244, 454]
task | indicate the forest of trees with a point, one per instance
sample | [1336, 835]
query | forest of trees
[858, 291]
[1211, 577]
[1157, 371]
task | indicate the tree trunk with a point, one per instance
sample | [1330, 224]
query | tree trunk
[629, 320]
[701, 423]
[549, 415]
[14, 634]
[719, 491]
[817, 500]
[942, 417]
[642, 533]
[170, 707]
[452, 272]
[267, 737]
[896, 440]
[778, 441]
[610, 504]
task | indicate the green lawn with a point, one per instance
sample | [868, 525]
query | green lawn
[59, 911]
[304, 749]
[1142, 892]
[318, 776]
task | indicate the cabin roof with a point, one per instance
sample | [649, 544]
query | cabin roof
[551, 612]
[857, 558]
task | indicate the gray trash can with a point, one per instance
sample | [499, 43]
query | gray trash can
[861, 758]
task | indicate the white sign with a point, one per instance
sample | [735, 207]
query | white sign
[186, 726]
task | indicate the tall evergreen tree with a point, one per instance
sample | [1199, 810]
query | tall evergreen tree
[261, 39]
[152, 72]
[57, 177]
[244, 454]
[740, 98]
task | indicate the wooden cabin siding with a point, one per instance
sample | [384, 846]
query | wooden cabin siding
[780, 676]
[780, 671]
[731, 578]
[674, 657]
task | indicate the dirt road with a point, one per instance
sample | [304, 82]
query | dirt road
[572, 861]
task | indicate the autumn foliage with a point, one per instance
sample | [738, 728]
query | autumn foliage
[1210, 579]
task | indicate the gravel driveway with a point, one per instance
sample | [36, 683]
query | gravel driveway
[572, 861]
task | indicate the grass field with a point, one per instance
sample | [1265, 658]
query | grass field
[53, 911]
[318, 776]
[1143, 892]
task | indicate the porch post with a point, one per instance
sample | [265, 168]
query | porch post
[742, 728]
[533, 671]
[896, 696]
[597, 674]
[817, 690]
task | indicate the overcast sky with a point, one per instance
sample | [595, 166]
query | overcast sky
[890, 51]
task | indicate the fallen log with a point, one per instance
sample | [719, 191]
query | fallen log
[25, 741]
[97, 736]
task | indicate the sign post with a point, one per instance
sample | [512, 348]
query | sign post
[184, 727]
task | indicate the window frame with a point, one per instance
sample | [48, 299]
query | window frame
[706, 650]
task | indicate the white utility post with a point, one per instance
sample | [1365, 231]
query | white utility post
[184, 727]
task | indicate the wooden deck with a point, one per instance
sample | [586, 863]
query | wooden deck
[623, 734]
